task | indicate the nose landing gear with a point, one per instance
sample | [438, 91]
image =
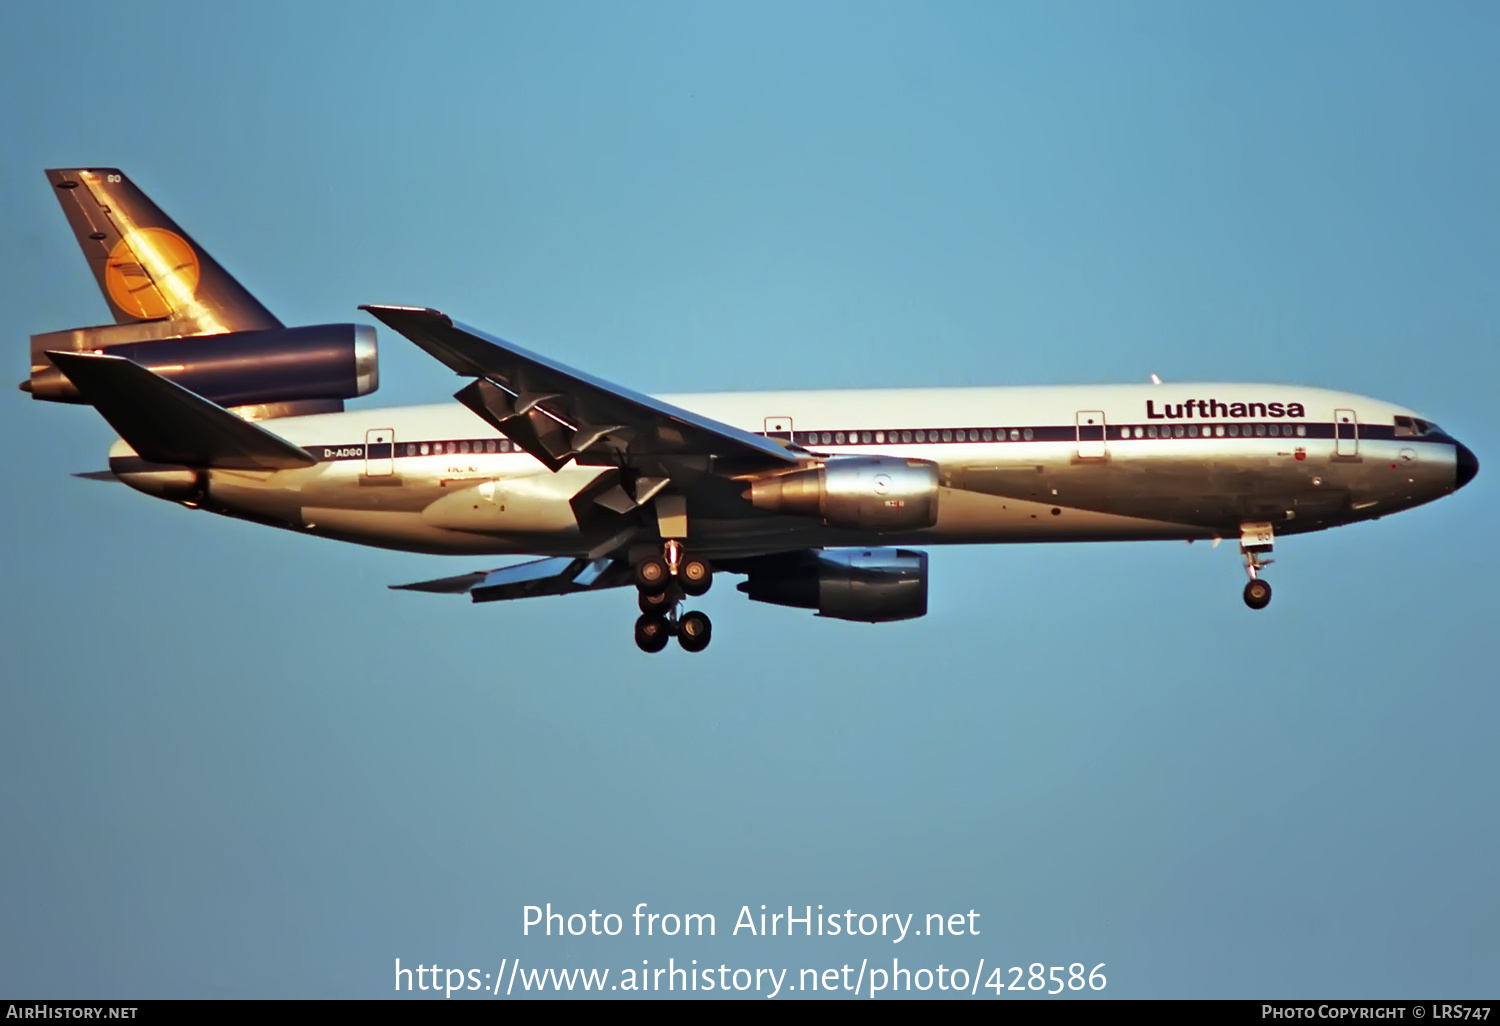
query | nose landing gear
[1257, 594]
[1256, 541]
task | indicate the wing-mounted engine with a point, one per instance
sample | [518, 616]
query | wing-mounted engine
[868, 585]
[871, 493]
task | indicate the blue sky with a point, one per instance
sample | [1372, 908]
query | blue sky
[233, 763]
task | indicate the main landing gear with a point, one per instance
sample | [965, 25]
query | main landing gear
[661, 584]
[1255, 546]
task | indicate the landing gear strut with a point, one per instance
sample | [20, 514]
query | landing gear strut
[661, 584]
[1256, 541]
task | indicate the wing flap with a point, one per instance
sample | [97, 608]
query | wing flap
[165, 423]
[554, 575]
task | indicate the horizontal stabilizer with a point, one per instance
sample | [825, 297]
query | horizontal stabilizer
[555, 575]
[166, 423]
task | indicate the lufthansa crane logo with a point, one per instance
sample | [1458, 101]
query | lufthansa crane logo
[151, 272]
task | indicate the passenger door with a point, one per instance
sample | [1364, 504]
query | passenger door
[380, 445]
[779, 427]
[1090, 434]
[1345, 433]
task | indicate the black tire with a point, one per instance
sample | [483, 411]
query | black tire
[652, 632]
[656, 603]
[694, 631]
[1258, 594]
[651, 574]
[696, 575]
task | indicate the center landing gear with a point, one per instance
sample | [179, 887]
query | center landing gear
[661, 583]
[1255, 545]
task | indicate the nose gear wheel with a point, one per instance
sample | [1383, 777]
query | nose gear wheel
[1257, 594]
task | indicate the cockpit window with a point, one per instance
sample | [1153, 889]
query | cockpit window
[1415, 427]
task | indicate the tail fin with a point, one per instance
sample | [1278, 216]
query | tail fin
[148, 268]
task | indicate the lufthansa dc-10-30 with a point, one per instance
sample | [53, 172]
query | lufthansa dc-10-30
[818, 499]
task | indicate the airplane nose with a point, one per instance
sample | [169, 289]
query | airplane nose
[1468, 465]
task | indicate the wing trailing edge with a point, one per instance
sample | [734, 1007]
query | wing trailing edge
[558, 414]
[554, 575]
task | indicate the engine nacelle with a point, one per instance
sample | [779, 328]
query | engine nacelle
[869, 585]
[871, 493]
[241, 368]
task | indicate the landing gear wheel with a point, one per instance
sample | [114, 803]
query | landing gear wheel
[695, 575]
[658, 603]
[651, 574]
[694, 631]
[1257, 594]
[652, 632]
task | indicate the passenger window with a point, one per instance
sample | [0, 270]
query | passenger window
[1192, 430]
[1177, 430]
[1151, 431]
[988, 435]
[1301, 430]
[1234, 431]
[1026, 434]
[1219, 430]
[1260, 431]
[839, 438]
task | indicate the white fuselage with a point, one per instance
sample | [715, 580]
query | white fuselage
[1054, 463]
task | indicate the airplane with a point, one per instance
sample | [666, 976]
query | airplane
[817, 498]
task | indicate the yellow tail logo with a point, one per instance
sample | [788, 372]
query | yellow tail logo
[152, 273]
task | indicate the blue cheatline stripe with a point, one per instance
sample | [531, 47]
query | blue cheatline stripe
[1144, 432]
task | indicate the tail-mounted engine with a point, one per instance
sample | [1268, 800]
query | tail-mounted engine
[240, 368]
[871, 493]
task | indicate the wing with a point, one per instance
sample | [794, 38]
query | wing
[558, 414]
[557, 575]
